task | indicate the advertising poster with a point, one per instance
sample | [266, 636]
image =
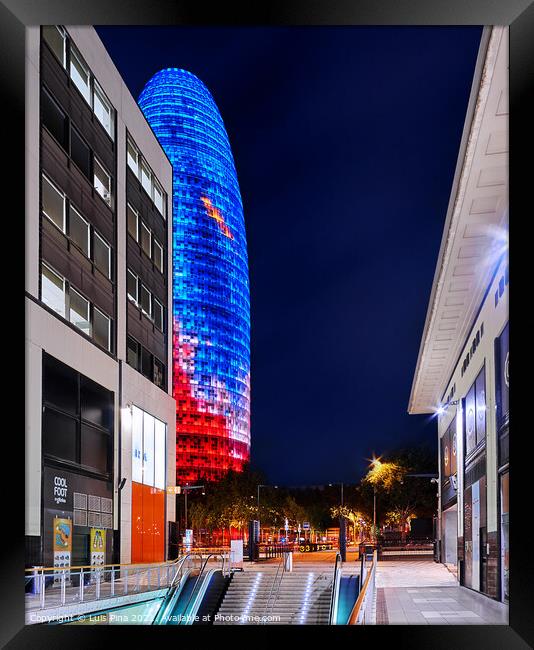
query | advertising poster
[62, 540]
[236, 554]
[98, 546]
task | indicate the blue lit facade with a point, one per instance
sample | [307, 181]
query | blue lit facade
[211, 303]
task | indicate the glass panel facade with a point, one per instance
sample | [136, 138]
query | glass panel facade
[79, 73]
[146, 305]
[80, 152]
[132, 286]
[102, 109]
[159, 454]
[101, 329]
[480, 396]
[133, 221]
[158, 256]
[133, 158]
[146, 178]
[53, 203]
[148, 449]
[79, 230]
[208, 222]
[56, 39]
[53, 290]
[102, 255]
[102, 182]
[79, 312]
[145, 239]
[470, 421]
[137, 445]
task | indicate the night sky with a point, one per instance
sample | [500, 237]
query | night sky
[345, 141]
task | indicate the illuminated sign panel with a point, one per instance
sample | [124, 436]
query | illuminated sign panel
[148, 449]
[211, 304]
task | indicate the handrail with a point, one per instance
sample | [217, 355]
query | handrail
[332, 614]
[281, 565]
[200, 549]
[355, 613]
[171, 589]
[199, 576]
[130, 565]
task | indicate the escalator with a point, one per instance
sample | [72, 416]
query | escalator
[195, 599]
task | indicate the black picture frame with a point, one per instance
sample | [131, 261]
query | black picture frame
[519, 14]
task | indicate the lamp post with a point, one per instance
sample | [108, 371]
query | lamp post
[258, 500]
[186, 489]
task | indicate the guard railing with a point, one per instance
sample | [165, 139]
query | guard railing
[57, 587]
[362, 612]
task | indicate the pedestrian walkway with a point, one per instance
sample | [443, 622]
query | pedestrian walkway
[424, 592]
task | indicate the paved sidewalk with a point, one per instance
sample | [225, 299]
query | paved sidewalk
[424, 592]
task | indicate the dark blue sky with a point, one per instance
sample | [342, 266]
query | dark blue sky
[345, 141]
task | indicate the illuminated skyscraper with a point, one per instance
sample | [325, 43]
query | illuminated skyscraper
[211, 302]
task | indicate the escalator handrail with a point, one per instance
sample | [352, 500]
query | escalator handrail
[170, 599]
[200, 595]
[334, 599]
[200, 575]
[172, 588]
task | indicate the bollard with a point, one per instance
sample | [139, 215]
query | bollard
[81, 585]
[113, 581]
[288, 561]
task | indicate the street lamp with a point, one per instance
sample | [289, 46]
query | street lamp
[258, 500]
[332, 485]
[186, 489]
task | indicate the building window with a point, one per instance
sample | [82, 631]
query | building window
[102, 182]
[80, 152]
[101, 329]
[102, 255]
[158, 314]
[79, 312]
[148, 449]
[53, 203]
[146, 363]
[79, 230]
[132, 353]
[79, 73]
[146, 302]
[132, 287]
[143, 173]
[158, 197]
[480, 396]
[102, 109]
[133, 222]
[133, 158]
[159, 373]
[146, 239]
[53, 290]
[146, 178]
[56, 40]
[54, 119]
[158, 256]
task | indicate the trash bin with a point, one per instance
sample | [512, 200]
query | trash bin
[288, 561]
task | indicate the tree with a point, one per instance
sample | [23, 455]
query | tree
[361, 522]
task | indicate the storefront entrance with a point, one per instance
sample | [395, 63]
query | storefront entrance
[148, 524]
[450, 535]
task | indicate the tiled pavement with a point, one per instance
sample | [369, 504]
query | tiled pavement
[406, 596]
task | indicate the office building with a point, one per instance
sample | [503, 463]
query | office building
[211, 304]
[100, 449]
